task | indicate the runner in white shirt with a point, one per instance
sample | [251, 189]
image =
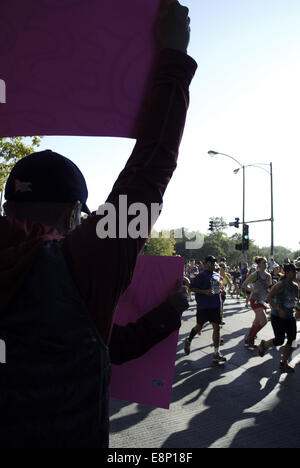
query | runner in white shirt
[261, 281]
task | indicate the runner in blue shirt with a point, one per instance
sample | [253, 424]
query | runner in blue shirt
[206, 286]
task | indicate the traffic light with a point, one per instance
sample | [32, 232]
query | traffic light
[237, 222]
[211, 226]
[245, 240]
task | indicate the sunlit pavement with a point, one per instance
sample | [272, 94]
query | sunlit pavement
[243, 404]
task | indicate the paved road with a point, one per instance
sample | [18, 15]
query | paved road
[245, 403]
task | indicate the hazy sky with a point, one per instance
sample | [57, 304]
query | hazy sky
[245, 102]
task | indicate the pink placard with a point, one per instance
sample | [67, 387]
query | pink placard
[74, 67]
[148, 380]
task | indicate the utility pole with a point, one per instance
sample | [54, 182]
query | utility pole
[272, 212]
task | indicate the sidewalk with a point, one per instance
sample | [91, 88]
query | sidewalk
[245, 403]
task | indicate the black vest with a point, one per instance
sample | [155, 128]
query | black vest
[54, 384]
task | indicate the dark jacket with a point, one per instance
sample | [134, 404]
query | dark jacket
[54, 385]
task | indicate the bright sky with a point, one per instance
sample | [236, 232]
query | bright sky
[245, 102]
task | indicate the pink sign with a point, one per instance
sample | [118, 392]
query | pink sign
[74, 67]
[148, 380]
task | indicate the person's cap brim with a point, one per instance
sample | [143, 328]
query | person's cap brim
[85, 209]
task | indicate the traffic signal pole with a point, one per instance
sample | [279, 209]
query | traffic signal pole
[272, 213]
[243, 223]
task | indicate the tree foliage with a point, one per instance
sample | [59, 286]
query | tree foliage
[11, 150]
[159, 245]
[220, 245]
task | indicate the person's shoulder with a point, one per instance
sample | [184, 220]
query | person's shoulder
[278, 287]
[201, 275]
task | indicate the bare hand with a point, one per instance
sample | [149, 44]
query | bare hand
[209, 292]
[173, 27]
[178, 297]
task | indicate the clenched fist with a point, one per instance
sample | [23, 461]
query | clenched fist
[173, 26]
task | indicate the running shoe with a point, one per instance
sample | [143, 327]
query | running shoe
[218, 358]
[187, 346]
[250, 344]
[286, 368]
[262, 349]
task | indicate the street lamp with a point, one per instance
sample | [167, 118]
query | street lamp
[270, 172]
[215, 153]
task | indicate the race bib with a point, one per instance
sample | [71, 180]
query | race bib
[215, 286]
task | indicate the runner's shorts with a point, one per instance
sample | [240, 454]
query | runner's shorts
[256, 305]
[208, 315]
[284, 327]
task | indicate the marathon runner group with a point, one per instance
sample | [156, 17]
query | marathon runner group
[266, 287]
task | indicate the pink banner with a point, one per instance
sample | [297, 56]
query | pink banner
[74, 67]
[148, 380]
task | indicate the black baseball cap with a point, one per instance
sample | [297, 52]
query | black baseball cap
[46, 176]
[210, 258]
[290, 267]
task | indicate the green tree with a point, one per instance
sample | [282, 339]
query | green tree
[280, 253]
[296, 254]
[219, 223]
[11, 150]
[162, 246]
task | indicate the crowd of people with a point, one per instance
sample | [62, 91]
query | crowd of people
[271, 289]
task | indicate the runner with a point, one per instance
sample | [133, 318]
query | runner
[297, 263]
[191, 269]
[206, 285]
[282, 298]
[275, 273]
[244, 273]
[236, 275]
[191, 273]
[225, 282]
[252, 269]
[261, 281]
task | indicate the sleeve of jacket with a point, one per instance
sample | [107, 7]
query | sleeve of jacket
[102, 268]
[135, 339]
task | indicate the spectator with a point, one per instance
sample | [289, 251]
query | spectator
[58, 293]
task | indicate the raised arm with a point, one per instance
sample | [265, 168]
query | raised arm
[103, 267]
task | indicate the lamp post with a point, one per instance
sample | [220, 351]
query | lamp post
[215, 153]
[270, 172]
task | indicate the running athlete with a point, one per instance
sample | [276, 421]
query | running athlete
[297, 263]
[225, 282]
[236, 275]
[206, 285]
[191, 273]
[282, 298]
[261, 281]
[252, 269]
